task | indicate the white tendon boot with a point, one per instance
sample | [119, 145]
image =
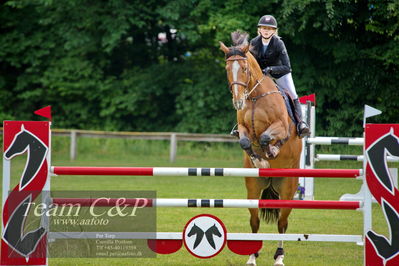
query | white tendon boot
[251, 260]
[279, 255]
[279, 261]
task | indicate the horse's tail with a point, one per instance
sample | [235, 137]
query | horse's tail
[269, 215]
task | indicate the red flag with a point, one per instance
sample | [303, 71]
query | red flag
[311, 97]
[45, 112]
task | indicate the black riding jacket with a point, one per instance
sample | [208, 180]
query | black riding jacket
[275, 56]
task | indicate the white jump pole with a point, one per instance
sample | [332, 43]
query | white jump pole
[208, 203]
[341, 157]
[335, 140]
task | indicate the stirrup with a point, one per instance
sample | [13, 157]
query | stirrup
[234, 132]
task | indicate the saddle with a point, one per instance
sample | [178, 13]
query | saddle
[289, 103]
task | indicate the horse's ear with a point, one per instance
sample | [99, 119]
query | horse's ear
[224, 48]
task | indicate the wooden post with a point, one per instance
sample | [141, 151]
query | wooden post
[173, 148]
[73, 150]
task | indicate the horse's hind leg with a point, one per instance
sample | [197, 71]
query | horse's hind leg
[253, 192]
[288, 189]
[254, 188]
[282, 228]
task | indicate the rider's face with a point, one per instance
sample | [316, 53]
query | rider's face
[266, 31]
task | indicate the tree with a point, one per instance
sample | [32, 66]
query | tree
[156, 65]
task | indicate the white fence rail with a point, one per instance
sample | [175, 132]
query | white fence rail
[173, 137]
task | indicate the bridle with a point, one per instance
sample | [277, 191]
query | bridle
[238, 57]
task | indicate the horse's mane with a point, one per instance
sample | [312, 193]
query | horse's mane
[240, 39]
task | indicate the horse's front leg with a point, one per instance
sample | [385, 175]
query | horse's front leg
[245, 144]
[274, 133]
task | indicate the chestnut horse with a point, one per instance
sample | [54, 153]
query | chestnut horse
[266, 132]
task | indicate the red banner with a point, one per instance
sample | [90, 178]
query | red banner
[311, 97]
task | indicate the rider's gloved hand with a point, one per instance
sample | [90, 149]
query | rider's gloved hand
[267, 70]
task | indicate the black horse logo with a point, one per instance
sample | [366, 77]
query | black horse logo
[377, 155]
[13, 233]
[213, 230]
[26, 141]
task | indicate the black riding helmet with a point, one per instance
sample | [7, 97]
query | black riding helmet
[268, 20]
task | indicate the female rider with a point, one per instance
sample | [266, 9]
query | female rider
[271, 54]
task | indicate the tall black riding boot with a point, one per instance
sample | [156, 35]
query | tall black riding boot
[301, 126]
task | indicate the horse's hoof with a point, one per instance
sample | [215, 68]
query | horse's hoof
[251, 260]
[245, 143]
[264, 139]
[279, 261]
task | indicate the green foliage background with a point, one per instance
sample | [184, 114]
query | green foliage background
[101, 65]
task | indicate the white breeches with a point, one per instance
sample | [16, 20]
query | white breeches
[286, 82]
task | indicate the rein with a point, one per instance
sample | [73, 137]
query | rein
[256, 85]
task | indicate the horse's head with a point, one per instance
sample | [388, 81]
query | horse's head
[237, 68]
[239, 64]
[19, 144]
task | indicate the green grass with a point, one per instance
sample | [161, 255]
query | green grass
[108, 152]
